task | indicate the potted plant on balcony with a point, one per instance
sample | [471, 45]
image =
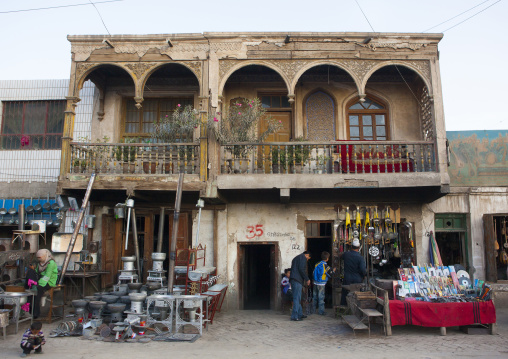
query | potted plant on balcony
[279, 159]
[178, 127]
[239, 124]
[298, 155]
[126, 155]
[321, 163]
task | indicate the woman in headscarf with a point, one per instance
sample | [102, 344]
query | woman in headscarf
[44, 275]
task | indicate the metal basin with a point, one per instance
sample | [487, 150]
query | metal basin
[158, 256]
[22, 295]
[137, 296]
[109, 298]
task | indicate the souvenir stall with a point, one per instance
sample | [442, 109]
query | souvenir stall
[397, 289]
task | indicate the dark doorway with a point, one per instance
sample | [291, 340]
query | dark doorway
[319, 239]
[452, 248]
[257, 275]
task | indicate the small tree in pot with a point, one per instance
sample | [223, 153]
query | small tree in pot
[239, 123]
[178, 127]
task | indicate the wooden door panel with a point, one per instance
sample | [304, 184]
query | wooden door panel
[148, 248]
[283, 135]
[490, 252]
[108, 250]
[182, 238]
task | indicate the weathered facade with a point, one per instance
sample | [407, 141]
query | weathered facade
[369, 104]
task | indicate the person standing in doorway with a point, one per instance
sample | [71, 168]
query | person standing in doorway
[298, 279]
[354, 268]
[320, 278]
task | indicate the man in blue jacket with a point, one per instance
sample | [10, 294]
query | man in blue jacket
[320, 277]
[298, 279]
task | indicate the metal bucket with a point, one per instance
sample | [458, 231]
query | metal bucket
[119, 210]
[33, 241]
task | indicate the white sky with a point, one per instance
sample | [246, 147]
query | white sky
[472, 55]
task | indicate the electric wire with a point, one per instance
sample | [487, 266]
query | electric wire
[472, 16]
[57, 7]
[400, 73]
[444, 22]
[364, 15]
[100, 16]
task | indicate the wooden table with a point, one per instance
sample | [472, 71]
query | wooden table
[84, 277]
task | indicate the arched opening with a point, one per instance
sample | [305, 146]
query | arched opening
[318, 91]
[406, 92]
[258, 81]
[169, 87]
[367, 120]
[102, 102]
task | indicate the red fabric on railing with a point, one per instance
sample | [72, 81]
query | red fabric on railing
[361, 163]
[427, 314]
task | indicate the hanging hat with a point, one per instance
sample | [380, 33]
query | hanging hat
[356, 243]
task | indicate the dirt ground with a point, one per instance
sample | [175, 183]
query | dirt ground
[252, 334]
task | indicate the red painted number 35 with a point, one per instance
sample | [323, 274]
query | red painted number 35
[254, 231]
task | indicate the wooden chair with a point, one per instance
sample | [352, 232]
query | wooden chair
[55, 304]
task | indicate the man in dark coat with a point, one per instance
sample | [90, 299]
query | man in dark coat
[354, 268]
[298, 279]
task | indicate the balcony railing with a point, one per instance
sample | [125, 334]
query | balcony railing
[135, 158]
[345, 157]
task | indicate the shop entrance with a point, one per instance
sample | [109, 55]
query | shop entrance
[319, 239]
[257, 269]
[496, 246]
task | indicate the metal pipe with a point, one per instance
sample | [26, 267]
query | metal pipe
[130, 205]
[161, 231]
[136, 243]
[78, 226]
[21, 217]
[172, 252]
[200, 205]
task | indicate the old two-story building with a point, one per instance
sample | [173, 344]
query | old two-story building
[364, 110]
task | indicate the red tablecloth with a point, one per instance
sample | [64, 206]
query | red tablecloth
[427, 314]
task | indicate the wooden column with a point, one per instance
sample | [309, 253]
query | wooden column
[203, 139]
[70, 115]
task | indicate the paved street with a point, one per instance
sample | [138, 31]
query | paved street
[250, 334]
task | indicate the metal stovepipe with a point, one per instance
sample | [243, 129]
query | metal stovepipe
[136, 243]
[161, 231]
[77, 227]
[21, 217]
[174, 233]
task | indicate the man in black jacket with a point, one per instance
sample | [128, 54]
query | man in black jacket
[299, 277]
[354, 268]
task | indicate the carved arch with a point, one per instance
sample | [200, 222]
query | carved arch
[242, 64]
[307, 67]
[422, 68]
[83, 69]
[146, 75]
